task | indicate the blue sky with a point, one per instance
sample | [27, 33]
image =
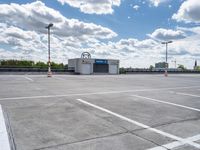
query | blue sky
[129, 30]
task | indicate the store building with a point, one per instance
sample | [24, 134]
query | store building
[88, 65]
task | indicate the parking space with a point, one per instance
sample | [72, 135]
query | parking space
[102, 112]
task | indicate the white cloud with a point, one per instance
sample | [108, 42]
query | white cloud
[93, 6]
[188, 12]
[136, 7]
[194, 30]
[23, 33]
[35, 16]
[156, 3]
[164, 34]
[182, 49]
[131, 52]
[31, 45]
[26, 38]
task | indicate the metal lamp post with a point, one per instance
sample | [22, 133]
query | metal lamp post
[49, 74]
[166, 43]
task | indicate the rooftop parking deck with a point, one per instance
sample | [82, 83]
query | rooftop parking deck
[101, 112]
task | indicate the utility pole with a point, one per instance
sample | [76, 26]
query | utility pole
[166, 43]
[49, 74]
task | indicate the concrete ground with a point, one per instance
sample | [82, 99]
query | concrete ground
[99, 112]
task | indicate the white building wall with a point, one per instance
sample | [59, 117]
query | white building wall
[85, 66]
[71, 64]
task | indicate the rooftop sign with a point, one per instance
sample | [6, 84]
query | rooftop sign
[101, 61]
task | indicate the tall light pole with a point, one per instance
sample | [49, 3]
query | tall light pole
[49, 74]
[166, 43]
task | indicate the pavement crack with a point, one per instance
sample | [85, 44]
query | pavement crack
[104, 118]
[85, 140]
[147, 140]
[168, 123]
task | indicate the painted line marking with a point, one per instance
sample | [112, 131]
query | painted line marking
[175, 144]
[186, 94]
[29, 79]
[169, 103]
[141, 124]
[95, 93]
[4, 140]
[59, 78]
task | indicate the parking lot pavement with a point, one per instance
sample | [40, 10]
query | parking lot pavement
[102, 112]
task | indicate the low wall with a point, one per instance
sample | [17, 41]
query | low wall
[28, 70]
[162, 72]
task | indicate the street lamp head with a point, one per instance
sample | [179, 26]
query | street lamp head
[167, 42]
[49, 26]
[163, 43]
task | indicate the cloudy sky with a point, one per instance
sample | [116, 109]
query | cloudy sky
[129, 30]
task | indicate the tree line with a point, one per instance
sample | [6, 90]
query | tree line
[31, 64]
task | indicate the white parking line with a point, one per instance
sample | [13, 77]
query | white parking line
[175, 144]
[186, 94]
[4, 141]
[95, 93]
[169, 103]
[29, 79]
[141, 124]
[59, 78]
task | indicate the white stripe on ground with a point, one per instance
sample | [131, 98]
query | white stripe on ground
[168, 103]
[194, 138]
[4, 141]
[175, 144]
[187, 94]
[95, 93]
[141, 124]
[159, 148]
[29, 79]
[59, 78]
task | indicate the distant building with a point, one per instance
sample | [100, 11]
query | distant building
[161, 65]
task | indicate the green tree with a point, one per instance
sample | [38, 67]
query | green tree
[122, 70]
[151, 67]
[40, 64]
[182, 67]
[17, 63]
[198, 68]
[57, 66]
[29, 63]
